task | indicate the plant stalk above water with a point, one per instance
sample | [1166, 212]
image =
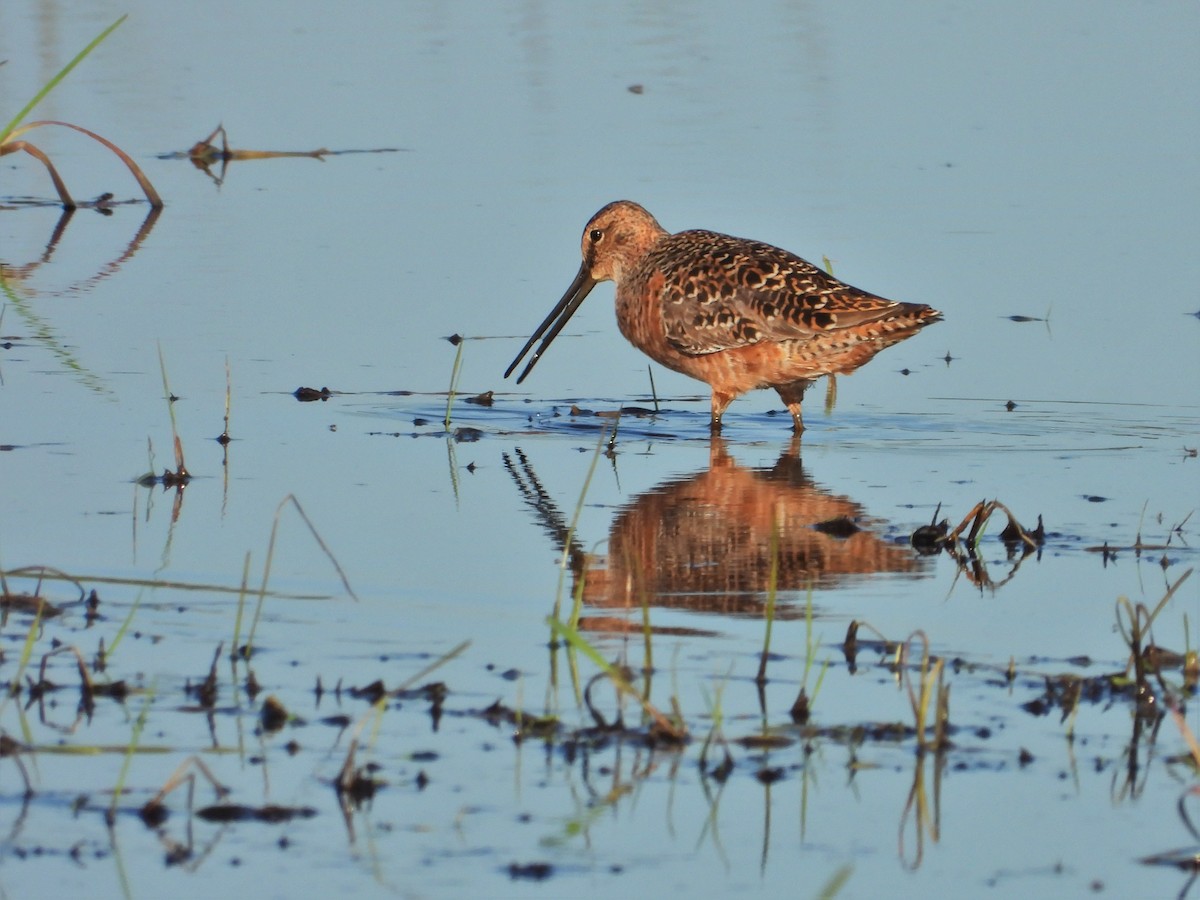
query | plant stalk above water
[53, 82]
[14, 129]
[454, 373]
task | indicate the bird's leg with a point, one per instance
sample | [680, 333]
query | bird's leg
[720, 401]
[792, 395]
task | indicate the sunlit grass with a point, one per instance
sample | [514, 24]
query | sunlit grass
[9, 142]
[455, 372]
[665, 727]
[135, 736]
[931, 691]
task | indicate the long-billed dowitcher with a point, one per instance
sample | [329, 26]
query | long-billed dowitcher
[734, 313]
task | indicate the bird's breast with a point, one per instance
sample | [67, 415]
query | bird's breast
[639, 316]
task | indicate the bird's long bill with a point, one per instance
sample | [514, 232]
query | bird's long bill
[563, 310]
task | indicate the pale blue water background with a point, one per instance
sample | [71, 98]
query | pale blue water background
[1013, 159]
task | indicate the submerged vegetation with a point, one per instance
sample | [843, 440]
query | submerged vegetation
[1154, 684]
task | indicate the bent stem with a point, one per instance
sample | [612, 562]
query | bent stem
[11, 131]
[671, 730]
[262, 591]
[134, 169]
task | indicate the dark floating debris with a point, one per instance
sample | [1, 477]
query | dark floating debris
[770, 774]
[1013, 535]
[723, 770]
[534, 871]
[154, 813]
[28, 604]
[274, 715]
[484, 399]
[1010, 406]
[801, 710]
[269, 814]
[931, 539]
[205, 693]
[307, 394]
[1024, 319]
[840, 527]
[372, 692]
[362, 787]
[524, 725]
[168, 479]
[639, 412]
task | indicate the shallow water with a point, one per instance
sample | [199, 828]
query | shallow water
[941, 154]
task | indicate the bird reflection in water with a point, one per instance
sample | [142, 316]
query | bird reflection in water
[704, 542]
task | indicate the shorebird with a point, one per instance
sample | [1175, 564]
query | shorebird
[731, 312]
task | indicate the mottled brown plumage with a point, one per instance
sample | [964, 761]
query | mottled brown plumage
[734, 313]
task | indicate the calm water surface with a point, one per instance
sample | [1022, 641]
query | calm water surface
[1018, 160]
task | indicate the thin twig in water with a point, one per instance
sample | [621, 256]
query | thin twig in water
[454, 373]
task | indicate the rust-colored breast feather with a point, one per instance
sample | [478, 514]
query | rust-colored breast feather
[721, 292]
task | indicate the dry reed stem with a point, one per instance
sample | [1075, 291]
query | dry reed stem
[143, 182]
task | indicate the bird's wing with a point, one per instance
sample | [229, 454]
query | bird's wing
[722, 292]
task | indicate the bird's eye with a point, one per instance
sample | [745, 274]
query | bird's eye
[596, 234]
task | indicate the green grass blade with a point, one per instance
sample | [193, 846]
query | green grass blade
[836, 882]
[53, 82]
[565, 562]
[135, 736]
[455, 371]
[116, 641]
[14, 687]
[575, 640]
